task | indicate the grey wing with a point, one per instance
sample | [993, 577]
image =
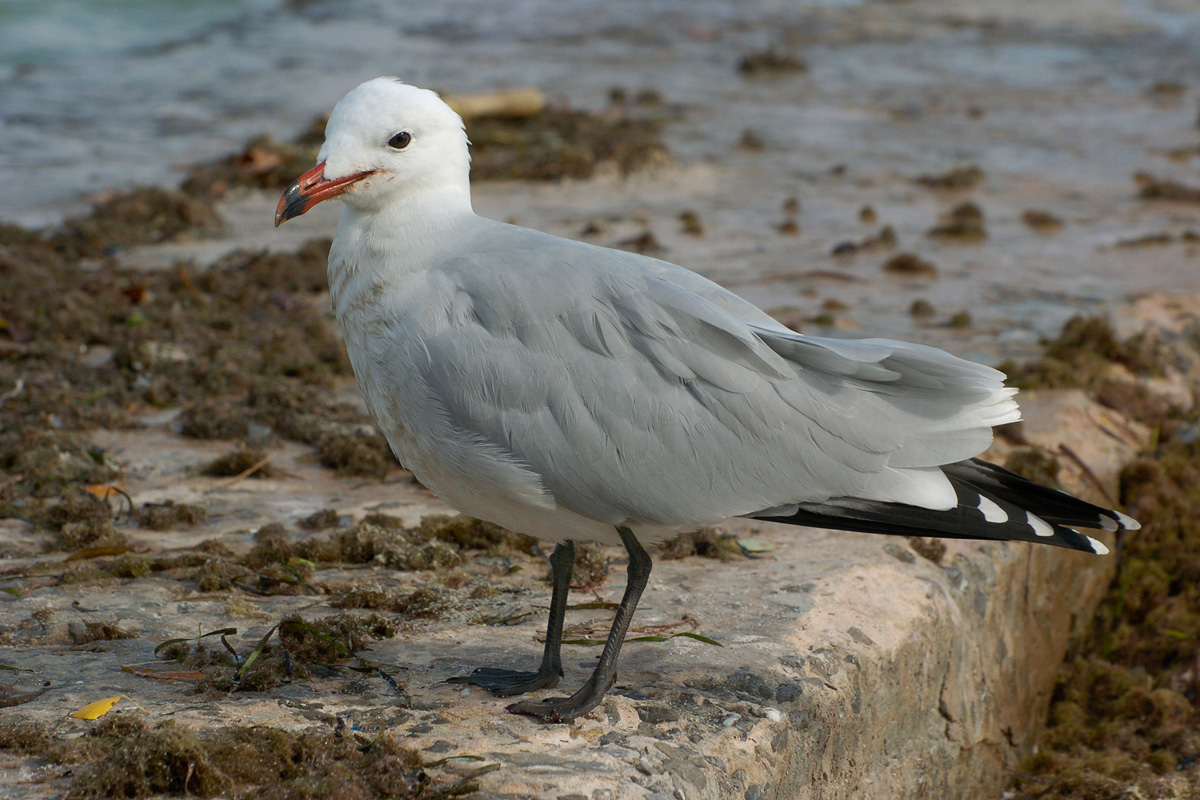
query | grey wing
[636, 399]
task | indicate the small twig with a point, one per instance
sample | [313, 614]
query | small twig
[246, 473]
[688, 620]
[587, 631]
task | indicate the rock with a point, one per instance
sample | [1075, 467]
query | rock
[655, 715]
[846, 661]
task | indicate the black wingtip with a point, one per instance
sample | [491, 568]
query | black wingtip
[993, 504]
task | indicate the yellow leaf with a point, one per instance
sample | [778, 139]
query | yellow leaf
[99, 708]
[104, 491]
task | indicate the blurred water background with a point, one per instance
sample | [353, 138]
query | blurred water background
[1060, 103]
[97, 94]
[107, 93]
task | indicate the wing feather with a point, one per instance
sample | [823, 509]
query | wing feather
[637, 391]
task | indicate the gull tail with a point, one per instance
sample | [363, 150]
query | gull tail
[993, 504]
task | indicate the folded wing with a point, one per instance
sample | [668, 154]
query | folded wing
[652, 396]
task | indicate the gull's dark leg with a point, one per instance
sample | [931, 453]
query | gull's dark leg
[564, 709]
[507, 682]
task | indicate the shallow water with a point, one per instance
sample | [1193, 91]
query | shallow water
[1051, 100]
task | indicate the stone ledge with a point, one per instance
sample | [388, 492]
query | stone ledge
[851, 666]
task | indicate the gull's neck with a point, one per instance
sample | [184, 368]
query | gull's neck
[411, 223]
[406, 236]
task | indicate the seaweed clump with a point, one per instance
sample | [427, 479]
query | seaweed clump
[427, 602]
[769, 62]
[706, 543]
[552, 144]
[885, 239]
[123, 756]
[1041, 220]
[283, 564]
[558, 143]
[909, 265]
[962, 177]
[242, 347]
[238, 462]
[262, 164]
[89, 631]
[293, 650]
[1083, 354]
[143, 215]
[590, 568]
[436, 543]
[45, 470]
[963, 223]
[1125, 716]
[1153, 188]
[79, 520]
[169, 515]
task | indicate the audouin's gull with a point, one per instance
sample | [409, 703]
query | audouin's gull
[578, 393]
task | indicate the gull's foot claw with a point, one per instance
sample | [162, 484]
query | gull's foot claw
[565, 709]
[507, 682]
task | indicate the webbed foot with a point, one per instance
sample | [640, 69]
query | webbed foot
[508, 682]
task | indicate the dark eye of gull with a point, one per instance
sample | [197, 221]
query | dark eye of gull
[400, 140]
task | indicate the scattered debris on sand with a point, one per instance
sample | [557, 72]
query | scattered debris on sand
[1188, 236]
[124, 756]
[169, 515]
[645, 243]
[909, 265]
[689, 223]
[558, 143]
[514, 136]
[960, 319]
[1153, 188]
[921, 309]
[263, 164]
[240, 462]
[963, 223]
[751, 140]
[930, 549]
[965, 177]
[883, 239]
[1083, 354]
[706, 543]
[1041, 221]
[139, 216]
[770, 63]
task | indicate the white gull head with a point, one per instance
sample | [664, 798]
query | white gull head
[385, 142]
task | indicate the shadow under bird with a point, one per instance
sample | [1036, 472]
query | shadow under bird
[578, 393]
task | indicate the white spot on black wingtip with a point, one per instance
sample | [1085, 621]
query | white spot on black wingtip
[1039, 525]
[1098, 547]
[991, 511]
[1108, 523]
[1128, 522]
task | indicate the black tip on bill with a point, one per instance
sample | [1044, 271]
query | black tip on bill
[293, 203]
